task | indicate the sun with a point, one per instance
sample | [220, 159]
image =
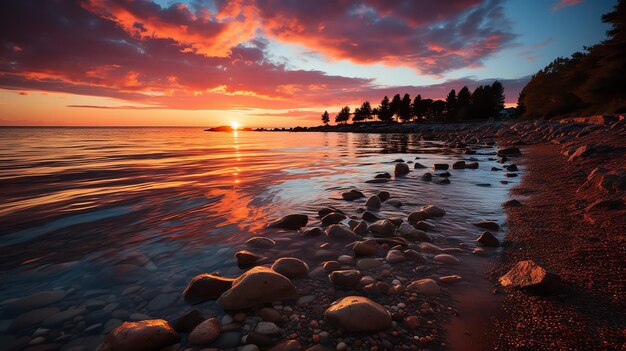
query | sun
[234, 125]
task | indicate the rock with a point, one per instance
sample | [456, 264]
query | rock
[415, 217]
[267, 328]
[444, 174]
[395, 203]
[368, 263]
[61, 317]
[205, 333]
[487, 239]
[444, 181]
[427, 177]
[341, 233]
[409, 232]
[146, 335]
[360, 228]
[458, 165]
[332, 218]
[395, 256]
[289, 345]
[382, 227]
[449, 279]
[346, 278]
[352, 195]
[331, 266]
[431, 211]
[446, 259]
[257, 286]
[369, 216]
[424, 286]
[205, 287]
[365, 248]
[414, 256]
[511, 168]
[511, 152]
[162, 301]
[511, 203]
[395, 221]
[34, 301]
[188, 321]
[510, 175]
[373, 202]
[328, 210]
[487, 225]
[261, 242]
[383, 196]
[472, 165]
[291, 267]
[398, 160]
[246, 258]
[32, 318]
[496, 169]
[428, 247]
[418, 165]
[384, 175]
[529, 275]
[270, 315]
[440, 166]
[248, 348]
[292, 221]
[313, 232]
[358, 314]
[401, 169]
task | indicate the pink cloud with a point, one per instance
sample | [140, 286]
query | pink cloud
[565, 3]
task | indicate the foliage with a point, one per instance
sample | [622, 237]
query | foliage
[325, 118]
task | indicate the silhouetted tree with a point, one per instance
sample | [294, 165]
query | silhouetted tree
[343, 116]
[384, 110]
[357, 115]
[426, 107]
[521, 108]
[325, 118]
[497, 98]
[416, 106]
[375, 112]
[366, 110]
[451, 105]
[463, 104]
[395, 105]
[404, 111]
[437, 108]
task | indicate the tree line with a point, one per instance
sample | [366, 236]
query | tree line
[486, 101]
[587, 83]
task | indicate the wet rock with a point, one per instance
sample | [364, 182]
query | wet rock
[382, 227]
[487, 225]
[368, 263]
[398, 160]
[444, 181]
[511, 151]
[383, 176]
[472, 165]
[246, 258]
[345, 278]
[62, 316]
[531, 276]
[383, 196]
[510, 175]
[428, 247]
[424, 286]
[401, 169]
[440, 166]
[358, 314]
[313, 232]
[511, 168]
[415, 217]
[341, 233]
[409, 232]
[259, 339]
[444, 174]
[270, 315]
[291, 267]
[352, 195]
[205, 287]
[496, 169]
[511, 203]
[188, 321]
[289, 345]
[267, 328]
[418, 165]
[395, 256]
[332, 218]
[261, 242]
[414, 256]
[360, 228]
[369, 216]
[449, 279]
[32, 318]
[395, 203]
[146, 335]
[458, 165]
[292, 221]
[162, 302]
[205, 332]
[432, 211]
[257, 286]
[331, 266]
[427, 177]
[446, 259]
[395, 220]
[328, 210]
[365, 248]
[34, 301]
[373, 202]
[487, 239]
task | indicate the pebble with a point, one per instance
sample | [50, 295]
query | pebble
[267, 328]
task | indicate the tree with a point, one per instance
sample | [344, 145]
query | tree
[384, 110]
[521, 108]
[463, 104]
[451, 105]
[343, 116]
[358, 115]
[437, 108]
[395, 105]
[325, 118]
[366, 110]
[404, 111]
[416, 106]
[497, 98]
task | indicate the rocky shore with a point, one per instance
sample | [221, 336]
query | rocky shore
[384, 282]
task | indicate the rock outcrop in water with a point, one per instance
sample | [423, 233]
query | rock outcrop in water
[255, 287]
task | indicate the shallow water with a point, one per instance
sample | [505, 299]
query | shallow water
[78, 204]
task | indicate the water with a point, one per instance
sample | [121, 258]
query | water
[89, 209]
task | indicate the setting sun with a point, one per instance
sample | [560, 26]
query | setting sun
[234, 125]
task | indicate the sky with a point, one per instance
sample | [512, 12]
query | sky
[267, 63]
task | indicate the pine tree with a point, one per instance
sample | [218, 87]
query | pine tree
[325, 118]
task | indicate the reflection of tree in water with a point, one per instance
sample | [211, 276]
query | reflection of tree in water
[396, 143]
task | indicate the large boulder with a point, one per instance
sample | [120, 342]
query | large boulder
[205, 287]
[257, 286]
[291, 267]
[341, 233]
[145, 335]
[531, 276]
[358, 314]
[383, 227]
[401, 169]
[205, 332]
[292, 221]
[346, 278]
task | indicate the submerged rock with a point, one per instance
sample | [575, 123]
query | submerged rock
[292, 221]
[488, 239]
[440, 166]
[446, 259]
[291, 267]
[369, 216]
[205, 333]
[458, 165]
[332, 218]
[352, 195]
[418, 165]
[188, 321]
[383, 196]
[205, 287]
[257, 286]
[395, 256]
[401, 169]
[409, 232]
[261, 242]
[427, 177]
[529, 275]
[313, 232]
[34, 301]
[511, 203]
[358, 314]
[145, 335]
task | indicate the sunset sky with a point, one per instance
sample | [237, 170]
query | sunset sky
[267, 62]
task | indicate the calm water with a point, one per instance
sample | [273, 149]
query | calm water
[96, 210]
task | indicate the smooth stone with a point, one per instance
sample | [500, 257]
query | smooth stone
[162, 302]
[257, 286]
[34, 301]
[360, 228]
[488, 239]
[458, 165]
[511, 203]
[246, 258]
[368, 263]
[383, 196]
[267, 328]
[269, 314]
[407, 231]
[424, 286]
[415, 217]
[423, 225]
[292, 221]
[328, 210]
[427, 177]
[358, 314]
[449, 279]
[205, 332]
[313, 232]
[487, 225]
[384, 175]
[332, 218]
[446, 259]
[291, 267]
[383, 227]
[414, 256]
[369, 216]
[395, 256]
[352, 195]
[32, 318]
[341, 233]
[258, 339]
[62, 316]
[136, 317]
[512, 168]
[110, 325]
[428, 247]
[206, 287]
[401, 169]
[305, 300]
[331, 266]
[440, 166]
[288, 345]
[345, 278]
[511, 151]
[472, 165]
[188, 321]
[373, 202]
[432, 211]
[418, 165]
[529, 275]
[248, 348]
[261, 242]
[365, 248]
[444, 181]
[146, 335]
